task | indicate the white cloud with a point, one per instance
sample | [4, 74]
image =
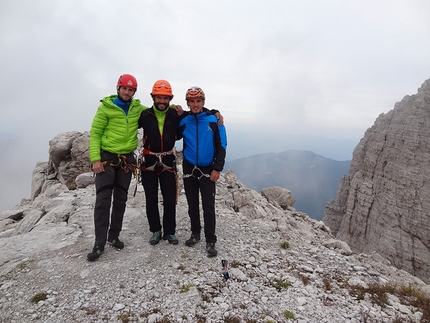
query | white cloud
[291, 67]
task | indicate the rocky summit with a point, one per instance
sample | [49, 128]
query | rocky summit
[383, 205]
[283, 266]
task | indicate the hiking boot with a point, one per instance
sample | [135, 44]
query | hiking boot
[171, 238]
[193, 240]
[116, 243]
[156, 237]
[210, 248]
[95, 253]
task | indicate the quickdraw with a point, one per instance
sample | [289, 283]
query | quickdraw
[140, 162]
[192, 174]
[122, 162]
[127, 167]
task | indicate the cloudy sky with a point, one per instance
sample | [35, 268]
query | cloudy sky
[276, 68]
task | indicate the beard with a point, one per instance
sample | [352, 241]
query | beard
[161, 106]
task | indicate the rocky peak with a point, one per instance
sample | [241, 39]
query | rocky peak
[282, 264]
[383, 205]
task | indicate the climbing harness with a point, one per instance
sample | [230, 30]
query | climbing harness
[127, 167]
[159, 165]
[122, 162]
[192, 174]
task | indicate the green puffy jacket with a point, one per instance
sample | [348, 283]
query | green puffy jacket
[114, 131]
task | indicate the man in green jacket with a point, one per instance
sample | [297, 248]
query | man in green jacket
[113, 140]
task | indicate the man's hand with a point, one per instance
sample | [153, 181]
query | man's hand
[220, 118]
[98, 167]
[214, 175]
[178, 109]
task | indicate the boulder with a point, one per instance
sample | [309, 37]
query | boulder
[279, 195]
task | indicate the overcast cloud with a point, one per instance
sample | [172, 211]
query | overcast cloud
[286, 68]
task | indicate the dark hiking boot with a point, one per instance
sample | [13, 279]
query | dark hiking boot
[156, 237]
[116, 243]
[211, 250]
[171, 238]
[95, 253]
[195, 238]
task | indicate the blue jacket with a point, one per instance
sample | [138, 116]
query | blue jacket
[205, 142]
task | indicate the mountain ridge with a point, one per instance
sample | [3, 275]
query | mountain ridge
[312, 178]
[283, 265]
[383, 204]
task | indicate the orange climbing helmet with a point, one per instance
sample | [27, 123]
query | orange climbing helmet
[127, 80]
[194, 93]
[162, 87]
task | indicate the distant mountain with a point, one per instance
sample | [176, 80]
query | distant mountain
[245, 142]
[312, 179]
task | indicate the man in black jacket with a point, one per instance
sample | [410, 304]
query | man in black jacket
[159, 124]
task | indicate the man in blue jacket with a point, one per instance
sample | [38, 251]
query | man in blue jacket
[204, 150]
[160, 124]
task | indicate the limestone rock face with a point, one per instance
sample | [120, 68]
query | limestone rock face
[68, 158]
[279, 259]
[383, 205]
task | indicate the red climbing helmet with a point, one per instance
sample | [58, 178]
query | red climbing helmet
[127, 80]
